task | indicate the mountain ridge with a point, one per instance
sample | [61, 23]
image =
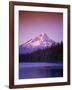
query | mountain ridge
[40, 42]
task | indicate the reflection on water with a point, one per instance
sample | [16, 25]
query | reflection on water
[40, 70]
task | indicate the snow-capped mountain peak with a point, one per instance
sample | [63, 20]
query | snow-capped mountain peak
[40, 41]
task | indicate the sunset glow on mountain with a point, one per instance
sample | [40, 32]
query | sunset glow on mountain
[32, 24]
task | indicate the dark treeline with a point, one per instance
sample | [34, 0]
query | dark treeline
[52, 54]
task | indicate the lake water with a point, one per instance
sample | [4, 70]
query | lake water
[40, 70]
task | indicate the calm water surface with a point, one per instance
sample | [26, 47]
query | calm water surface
[40, 70]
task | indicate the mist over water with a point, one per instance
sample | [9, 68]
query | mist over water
[40, 70]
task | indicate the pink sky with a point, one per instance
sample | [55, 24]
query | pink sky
[31, 24]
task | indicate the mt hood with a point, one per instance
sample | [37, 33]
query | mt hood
[40, 42]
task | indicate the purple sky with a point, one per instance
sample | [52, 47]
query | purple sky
[31, 24]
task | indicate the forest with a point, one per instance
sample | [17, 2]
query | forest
[51, 54]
